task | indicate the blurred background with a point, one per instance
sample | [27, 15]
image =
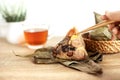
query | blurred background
[61, 15]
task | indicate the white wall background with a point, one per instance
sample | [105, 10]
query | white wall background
[62, 15]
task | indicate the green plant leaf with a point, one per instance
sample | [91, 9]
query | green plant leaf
[13, 13]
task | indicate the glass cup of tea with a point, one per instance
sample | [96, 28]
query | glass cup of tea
[36, 35]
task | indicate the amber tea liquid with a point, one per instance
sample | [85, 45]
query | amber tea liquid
[36, 36]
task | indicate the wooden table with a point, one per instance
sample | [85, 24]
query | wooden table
[17, 68]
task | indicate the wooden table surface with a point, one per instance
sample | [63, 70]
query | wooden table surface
[17, 68]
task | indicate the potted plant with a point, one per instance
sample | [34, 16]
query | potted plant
[14, 15]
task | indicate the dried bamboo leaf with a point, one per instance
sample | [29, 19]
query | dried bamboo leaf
[101, 33]
[97, 17]
[43, 53]
[43, 61]
[88, 65]
[107, 33]
[95, 56]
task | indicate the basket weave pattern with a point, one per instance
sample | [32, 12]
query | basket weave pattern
[102, 46]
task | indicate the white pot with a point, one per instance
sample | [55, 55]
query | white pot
[15, 32]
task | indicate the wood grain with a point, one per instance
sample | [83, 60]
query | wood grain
[17, 68]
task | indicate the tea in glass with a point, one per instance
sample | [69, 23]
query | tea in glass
[36, 37]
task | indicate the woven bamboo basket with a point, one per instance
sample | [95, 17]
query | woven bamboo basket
[102, 46]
